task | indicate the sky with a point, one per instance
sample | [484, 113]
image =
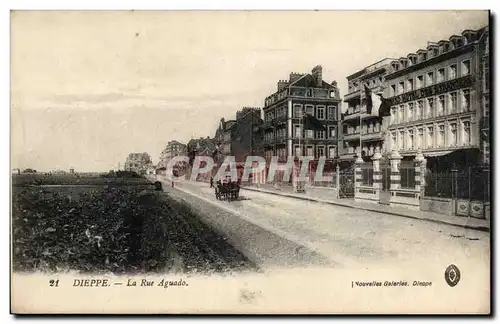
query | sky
[88, 88]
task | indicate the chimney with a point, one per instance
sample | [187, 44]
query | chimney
[295, 76]
[282, 84]
[317, 74]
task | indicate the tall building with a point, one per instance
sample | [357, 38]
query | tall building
[283, 132]
[241, 137]
[362, 133]
[484, 49]
[173, 148]
[438, 102]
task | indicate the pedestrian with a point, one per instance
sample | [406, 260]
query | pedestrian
[211, 182]
[172, 183]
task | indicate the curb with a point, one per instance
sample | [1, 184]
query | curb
[479, 228]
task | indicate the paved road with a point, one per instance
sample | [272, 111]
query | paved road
[354, 237]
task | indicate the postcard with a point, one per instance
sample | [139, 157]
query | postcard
[250, 162]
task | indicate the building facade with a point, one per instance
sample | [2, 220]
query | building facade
[437, 102]
[204, 146]
[362, 134]
[484, 48]
[241, 137]
[173, 148]
[283, 132]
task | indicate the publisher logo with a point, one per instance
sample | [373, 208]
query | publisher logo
[452, 275]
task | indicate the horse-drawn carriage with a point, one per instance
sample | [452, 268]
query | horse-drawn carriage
[227, 191]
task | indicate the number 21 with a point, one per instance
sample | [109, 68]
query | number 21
[54, 283]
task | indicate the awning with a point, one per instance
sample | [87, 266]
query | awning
[436, 154]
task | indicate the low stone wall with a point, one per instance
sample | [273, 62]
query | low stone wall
[366, 194]
[405, 198]
[437, 205]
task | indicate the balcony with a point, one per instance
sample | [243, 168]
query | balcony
[352, 95]
[352, 136]
[373, 136]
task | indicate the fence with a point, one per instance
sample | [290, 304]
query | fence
[330, 183]
[472, 184]
[367, 174]
[407, 172]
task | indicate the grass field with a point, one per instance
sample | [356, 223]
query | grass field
[95, 225]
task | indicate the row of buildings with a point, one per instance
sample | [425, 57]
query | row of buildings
[439, 99]
[439, 104]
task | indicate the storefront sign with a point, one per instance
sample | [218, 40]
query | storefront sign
[437, 89]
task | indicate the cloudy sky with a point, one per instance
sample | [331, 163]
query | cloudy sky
[87, 88]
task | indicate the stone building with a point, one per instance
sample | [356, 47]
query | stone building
[282, 117]
[361, 134]
[439, 100]
[173, 148]
[241, 137]
[203, 146]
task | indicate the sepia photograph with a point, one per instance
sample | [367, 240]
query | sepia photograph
[250, 162]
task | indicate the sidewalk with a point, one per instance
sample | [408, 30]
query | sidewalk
[327, 196]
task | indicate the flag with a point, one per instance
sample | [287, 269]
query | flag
[311, 122]
[376, 104]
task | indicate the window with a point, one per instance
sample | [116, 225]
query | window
[420, 110]
[393, 140]
[466, 67]
[332, 113]
[466, 100]
[466, 139]
[401, 87]
[452, 109]
[410, 139]
[310, 151]
[310, 110]
[393, 90]
[309, 92]
[440, 136]
[309, 133]
[420, 138]
[453, 135]
[320, 151]
[369, 128]
[401, 114]
[420, 81]
[429, 79]
[394, 116]
[332, 131]
[332, 94]
[297, 111]
[320, 134]
[401, 144]
[332, 152]
[440, 108]
[452, 71]
[320, 112]
[297, 150]
[430, 107]
[410, 111]
[409, 83]
[297, 133]
[430, 136]
[440, 75]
